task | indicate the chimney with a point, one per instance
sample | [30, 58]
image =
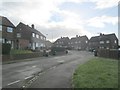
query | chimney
[32, 26]
[76, 36]
[101, 34]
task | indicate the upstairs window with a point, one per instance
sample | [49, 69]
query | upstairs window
[33, 34]
[101, 42]
[107, 41]
[9, 29]
[18, 35]
[41, 37]
[115, 41]
[37, 36]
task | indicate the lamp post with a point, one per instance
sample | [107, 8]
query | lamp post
[46, 41]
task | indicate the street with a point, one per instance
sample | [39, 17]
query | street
[43, 72]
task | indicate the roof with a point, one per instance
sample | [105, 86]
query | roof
[79, 38]
[108, 36]
[64, 39]
[26, 27]
[96, 38]
[103, 37]
[6, 22]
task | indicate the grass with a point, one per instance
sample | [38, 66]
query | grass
[96, 73]
[14, 51]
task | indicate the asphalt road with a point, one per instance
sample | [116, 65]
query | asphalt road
[43, 72]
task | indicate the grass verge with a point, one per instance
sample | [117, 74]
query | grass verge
[96, 73]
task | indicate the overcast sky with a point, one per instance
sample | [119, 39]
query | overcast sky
[56, 18]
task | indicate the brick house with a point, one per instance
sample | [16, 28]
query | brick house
[61, 42]
[7, 29]
[94, 43]
[29, 37]
[48, 44]
[79, 42]
[104, 41]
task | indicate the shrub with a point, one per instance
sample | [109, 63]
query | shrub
[57, 49]
[6, 48]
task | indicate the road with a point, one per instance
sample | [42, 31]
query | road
[43, 72]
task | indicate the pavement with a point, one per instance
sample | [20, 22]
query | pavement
[47, 72]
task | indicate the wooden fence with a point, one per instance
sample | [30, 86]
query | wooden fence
[113, 54]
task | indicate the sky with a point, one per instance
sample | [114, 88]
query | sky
[64, 18]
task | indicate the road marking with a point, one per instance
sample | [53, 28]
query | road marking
[14, 82]
[28, 77]
[61, 61]
[33, 66]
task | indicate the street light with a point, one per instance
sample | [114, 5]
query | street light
[46, 41]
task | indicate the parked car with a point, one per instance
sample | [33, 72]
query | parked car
[46, 52]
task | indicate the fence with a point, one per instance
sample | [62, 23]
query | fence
[113, 54]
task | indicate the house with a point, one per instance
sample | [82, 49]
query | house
[79, 42]
[94, 43]
[108, 41]
[7, 29]
[28, 37]
[48, 44]
[104, 41]
[62, 42]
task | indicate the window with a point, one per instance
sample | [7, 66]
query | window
[115, 41]
[44, 38]
[33, 34]
[76, 42]
[0, 27]
[41, 37]
[107, 48]
[107, 41]
[18, 35]
[37, 36]
[9, 41]
[36, 44]
[9, 29]
[101, 42]
[3, 40]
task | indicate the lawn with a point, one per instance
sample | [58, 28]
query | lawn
[15, 51]
[96, 73]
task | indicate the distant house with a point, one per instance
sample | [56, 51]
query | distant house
[79, 42]
[104, 41]
[48, 44]
[62, 42]
[29, 37]
[108, 41]
[7, 29]
[94, 43]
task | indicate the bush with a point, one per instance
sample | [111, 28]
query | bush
[57, 49]
[18, 51]
[6, 48]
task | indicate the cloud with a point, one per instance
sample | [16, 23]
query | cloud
[39, 12]
[100, 22]
[103, 4]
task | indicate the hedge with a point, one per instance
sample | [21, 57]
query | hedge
[6, 48]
